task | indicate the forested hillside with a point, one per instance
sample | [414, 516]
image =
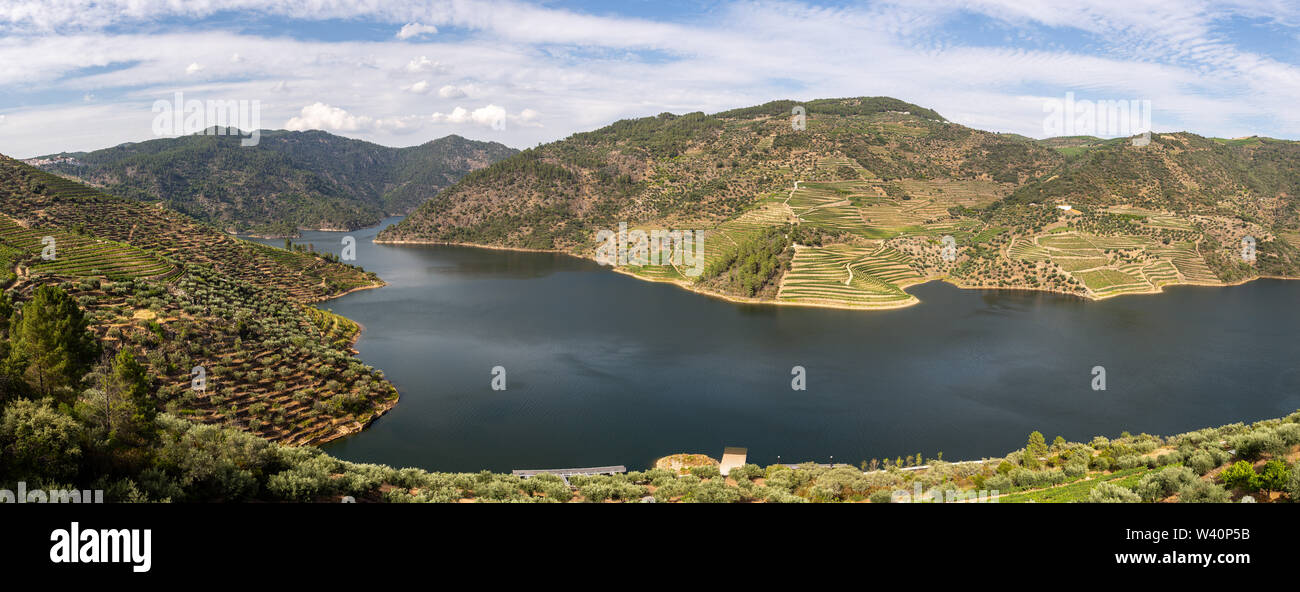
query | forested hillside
[874, 188]
[701, 168]
[185, 302]
[290, 180]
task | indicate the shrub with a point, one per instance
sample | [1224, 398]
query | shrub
[1202, 492]
[1258, 443]
[747, 472]
[777, 496]
[1293, 486]
[1158, 485]
[1076, 468]
[1239, 475]
[1033, 479]
[1201, 462]
[38, 443]
[881, 496]
[714, 492]
[1130, 461]
[680, 487]
[1289, 433]
[1109, 493]
[999, 483]
[1169, 459]
[501, 489]
[600, 491]
[1275, 477]
[555, 490]
[707, 472]
[840, 482]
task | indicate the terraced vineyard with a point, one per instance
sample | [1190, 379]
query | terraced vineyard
[181, 295]
[1134, 250]
[277, 368]
[1114, 265]
[1189, 262]
[845, 275]
[841, 199]
[1155, 219]
[723, 239]
[79, 255]
[42, 200]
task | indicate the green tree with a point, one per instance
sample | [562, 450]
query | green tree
[131, 385]
[7, 378]
[51, 347]
[39, 444]
[1242, 474]
[1037, 445]
[1275, 477]
[1203, 492]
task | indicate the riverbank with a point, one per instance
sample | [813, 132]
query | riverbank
[381, 284]
[691, 287]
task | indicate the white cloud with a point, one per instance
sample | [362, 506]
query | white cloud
[321, 116]
[424, 64]
[418, 88]
[489, 116]
[236, 58]
[578, 71]
[410, 30]
[2, 119]
[526, 118]
[88, 97]
[324, 117]
[193, 68]
[452, 92]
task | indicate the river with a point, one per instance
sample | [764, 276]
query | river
[602, 369]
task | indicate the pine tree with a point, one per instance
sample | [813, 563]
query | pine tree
[132, 385]
[51, 346]
[1036, 447]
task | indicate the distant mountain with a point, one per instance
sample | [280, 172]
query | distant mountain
[709, 168]
[290, 180]
[846, 202]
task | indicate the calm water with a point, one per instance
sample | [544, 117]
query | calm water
[605, 369]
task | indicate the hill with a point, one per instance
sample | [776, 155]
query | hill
[865, 198]
[290, 180]
[179, 295]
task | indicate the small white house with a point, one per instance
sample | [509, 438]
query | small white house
[1064, 208]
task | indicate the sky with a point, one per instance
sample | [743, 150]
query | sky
[81, 75]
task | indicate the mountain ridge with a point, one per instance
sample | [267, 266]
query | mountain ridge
[291, 180]
[882, 183]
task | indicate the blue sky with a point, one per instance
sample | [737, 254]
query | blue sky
[85, 75]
